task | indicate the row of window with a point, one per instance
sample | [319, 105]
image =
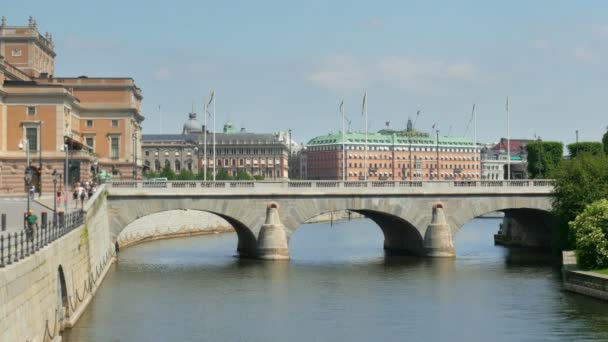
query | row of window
[392, 148]
[417, 165]
[89, 123]
[32, 137]
[178, 167]
[229, 151]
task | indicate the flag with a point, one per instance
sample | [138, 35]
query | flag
[341, 106]
[473, 111]
[507, 103]
[364, 103]
[417, 112]
[211, 97]
[433, 126]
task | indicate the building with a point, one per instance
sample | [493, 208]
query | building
[495, 156]
[258, 154]
[392, 155]
[99, 119]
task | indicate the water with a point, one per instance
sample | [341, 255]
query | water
[338, 286]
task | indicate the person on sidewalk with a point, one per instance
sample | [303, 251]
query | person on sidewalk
[81, 194]
[32, 221]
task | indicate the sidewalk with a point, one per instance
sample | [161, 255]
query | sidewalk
[15, 206]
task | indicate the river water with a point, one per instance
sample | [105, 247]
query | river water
[339, 286]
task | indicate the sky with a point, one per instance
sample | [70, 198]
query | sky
[278, 65]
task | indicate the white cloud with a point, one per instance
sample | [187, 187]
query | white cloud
[375, 23]
[583, 54]
[73, 41]
[162, 74]
[342, 73]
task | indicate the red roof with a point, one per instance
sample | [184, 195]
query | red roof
[516, 145]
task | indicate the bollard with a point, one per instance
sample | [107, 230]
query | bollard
[44, 220]
[3, 222]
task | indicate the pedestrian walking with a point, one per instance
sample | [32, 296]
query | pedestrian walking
[32, 221]
[81, 194]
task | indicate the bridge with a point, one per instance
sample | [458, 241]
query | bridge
[403, 210]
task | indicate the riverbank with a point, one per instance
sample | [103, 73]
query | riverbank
[588, 283]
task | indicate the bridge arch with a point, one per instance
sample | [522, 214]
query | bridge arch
[124, 212]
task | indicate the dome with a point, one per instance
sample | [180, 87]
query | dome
[191, 125]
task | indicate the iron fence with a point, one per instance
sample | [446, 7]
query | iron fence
[17, 246]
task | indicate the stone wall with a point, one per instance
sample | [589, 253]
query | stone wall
[583, 282]
[48, 291]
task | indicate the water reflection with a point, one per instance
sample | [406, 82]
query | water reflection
[339, 285]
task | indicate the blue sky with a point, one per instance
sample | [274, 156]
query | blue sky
[286, 64]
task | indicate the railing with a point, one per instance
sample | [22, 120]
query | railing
[328, 184]
[19, 245]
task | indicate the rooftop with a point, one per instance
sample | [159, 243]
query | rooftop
[386, 137]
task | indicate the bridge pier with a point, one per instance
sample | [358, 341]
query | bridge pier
[272, 240]
[525, 228]
[438, 241]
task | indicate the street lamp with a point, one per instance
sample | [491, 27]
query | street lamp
[66, 148]
[24, 144]
[56, 177]
[134, 136]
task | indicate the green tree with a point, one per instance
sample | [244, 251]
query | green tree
[185, 175]
[243, 175]
[167, 173]
[258, 177]
[221, 174]
[543, 157]
[578, 183]
[591, 147]
[591, 230]
[150, 174]
[605, 141]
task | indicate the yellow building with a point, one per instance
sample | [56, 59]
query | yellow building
[98, 119]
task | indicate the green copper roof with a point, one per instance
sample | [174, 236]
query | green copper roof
[385, 138]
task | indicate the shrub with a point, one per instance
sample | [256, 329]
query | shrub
[591, 230]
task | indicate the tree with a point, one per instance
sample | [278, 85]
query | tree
[591, 230]
[543, 157]
[185, 175]
[605, 141]
[591, 147]
[167, 173]
[151, 174]
[243, 175]
[578, 183]
[258, 177]
[221, 174]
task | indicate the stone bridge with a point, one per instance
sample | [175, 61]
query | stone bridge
[403, 210]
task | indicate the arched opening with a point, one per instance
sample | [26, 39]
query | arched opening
[185, 222]
[344, 234]
[532, 229]
[62, 295]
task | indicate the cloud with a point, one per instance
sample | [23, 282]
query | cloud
[375, 23]
[162, 74]
[342, 73]
[583, 54]
[339, 73]
[75, 42]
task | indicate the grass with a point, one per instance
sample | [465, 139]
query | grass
[603, 271]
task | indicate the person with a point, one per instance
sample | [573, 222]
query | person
[81, 194]
[75, 195]
[32, 220]
[58, 197]
[32, 192]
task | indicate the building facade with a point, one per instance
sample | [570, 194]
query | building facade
[95, 121]
[392, 155]
[258, 154]
[495, 160]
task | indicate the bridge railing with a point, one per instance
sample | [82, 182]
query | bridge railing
[324, 184]
[17, 246]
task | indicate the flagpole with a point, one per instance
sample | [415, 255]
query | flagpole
[366, 132]
[475, 134]
[508, 142]
[205, 143]
[343, 144]
[160, 115]
[214, 160]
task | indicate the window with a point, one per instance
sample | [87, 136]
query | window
[16, 53]
[147, 153]
[90, 141]
[114, 147]
[178, 166]
[31, 134]
[31, 110]
[114, 123]
[89, 123]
